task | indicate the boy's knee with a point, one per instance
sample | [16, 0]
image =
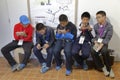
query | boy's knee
[27, 51]
[67, 51]
[55, 50]
[3, 50]
[85, 55]
[74, 52]
[105, 51]
[35, 49]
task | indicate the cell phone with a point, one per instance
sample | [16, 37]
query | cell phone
[18, 33]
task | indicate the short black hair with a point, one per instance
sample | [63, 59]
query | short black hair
[63, 17]
[85, 14]
[103, 13]
[40, 26]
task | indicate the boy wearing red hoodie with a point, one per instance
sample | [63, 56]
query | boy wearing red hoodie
[23, 32]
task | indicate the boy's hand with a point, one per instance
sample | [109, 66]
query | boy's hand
[38, 46]
[21, 34]
[64, 31]
[89, 28]
[95, 42]
[18, 33]
[59, 31]
[100, 46]
[46, 46]
[83, 28]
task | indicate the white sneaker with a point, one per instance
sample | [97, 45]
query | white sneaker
[112, 75]
[104, 69]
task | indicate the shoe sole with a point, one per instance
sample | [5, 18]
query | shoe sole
[14, 70]
[67, 74]
[18, 68]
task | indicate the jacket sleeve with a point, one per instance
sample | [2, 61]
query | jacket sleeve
[108, 35]
[30, 34]
[95, 38]
[74, 31]
[57, 28]
[52, 37]
[57, 35]
[38, 41]
[15, 30]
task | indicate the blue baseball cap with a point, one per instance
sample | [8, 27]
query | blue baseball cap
[24, 19]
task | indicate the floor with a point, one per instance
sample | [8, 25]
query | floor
[31, 72]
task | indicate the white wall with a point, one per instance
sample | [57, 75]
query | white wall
[16, 9]
[112, 9]
[10, 10]
[5, 29]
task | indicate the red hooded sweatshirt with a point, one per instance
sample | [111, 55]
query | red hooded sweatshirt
[28, 30]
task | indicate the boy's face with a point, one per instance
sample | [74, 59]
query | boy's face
[100, 18]
[25, 25]
[85, 20]
[63, 23]
[42, 31]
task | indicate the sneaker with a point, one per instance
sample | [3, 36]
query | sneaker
[76, 64]
[68, 72]
[20, 66]
[104, 69]
[14, 68]
[84, 65]
[44, 65]
[112, 75]
[44, 69]
[58, 68]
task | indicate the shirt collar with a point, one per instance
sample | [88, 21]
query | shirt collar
[103, 25]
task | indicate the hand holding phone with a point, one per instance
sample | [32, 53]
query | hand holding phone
[21, 34]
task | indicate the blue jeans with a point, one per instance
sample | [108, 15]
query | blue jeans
[67, 46]
[39, 55]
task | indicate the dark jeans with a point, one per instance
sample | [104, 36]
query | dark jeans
[102, 60]
[40, 57]
[67, 46]
[85, 50]
[27, 46]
